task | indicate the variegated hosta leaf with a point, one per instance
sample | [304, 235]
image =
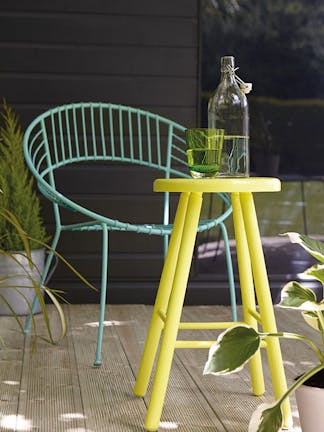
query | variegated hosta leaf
[266, 418]
[314, 247]
[232, 350]
[317, 271]
[312, 319]
[294, 295]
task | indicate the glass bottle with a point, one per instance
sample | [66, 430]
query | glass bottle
[228, 110]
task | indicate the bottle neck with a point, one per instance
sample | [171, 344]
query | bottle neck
[228, 76]
[228, 69]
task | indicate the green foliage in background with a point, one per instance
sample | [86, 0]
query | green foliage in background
[277, 44]
[17, 185]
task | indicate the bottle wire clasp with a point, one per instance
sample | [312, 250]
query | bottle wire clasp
[244, 86]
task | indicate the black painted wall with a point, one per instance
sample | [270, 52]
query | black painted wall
[142, 53]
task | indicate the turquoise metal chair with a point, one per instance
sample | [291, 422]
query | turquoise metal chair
[92, 132]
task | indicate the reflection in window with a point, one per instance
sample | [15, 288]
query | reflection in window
[278, 46]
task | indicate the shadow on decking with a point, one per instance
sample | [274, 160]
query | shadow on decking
[285, 262]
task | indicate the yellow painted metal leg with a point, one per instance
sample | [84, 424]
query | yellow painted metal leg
[247, 290]
[265, 301]
[162, 299]
[170, 332]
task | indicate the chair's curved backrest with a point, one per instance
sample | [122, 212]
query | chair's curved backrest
[103, 131]
[85, 132]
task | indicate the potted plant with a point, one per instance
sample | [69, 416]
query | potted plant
[19, 198]
[235, 347]
[22, 232]
[26, 277]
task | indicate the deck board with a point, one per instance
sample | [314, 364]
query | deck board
[106, 391]
[50, 396]
[57, 388]
[11, 361]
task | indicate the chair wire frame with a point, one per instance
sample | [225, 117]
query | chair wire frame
[91, 132]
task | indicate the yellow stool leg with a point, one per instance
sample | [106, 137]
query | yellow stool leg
[161, 302]
[265, 302]
[247, 291]
[172, 321]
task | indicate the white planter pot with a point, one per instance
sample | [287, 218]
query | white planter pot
[8, 268]
[310, 403]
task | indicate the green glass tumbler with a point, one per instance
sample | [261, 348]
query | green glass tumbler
[204, 150]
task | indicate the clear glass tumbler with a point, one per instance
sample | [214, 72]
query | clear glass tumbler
[204, 150]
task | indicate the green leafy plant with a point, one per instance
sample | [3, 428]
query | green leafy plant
[235, 346]
[19, 195]
[22, 229]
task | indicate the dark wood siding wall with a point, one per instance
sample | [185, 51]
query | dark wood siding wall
[143, 53]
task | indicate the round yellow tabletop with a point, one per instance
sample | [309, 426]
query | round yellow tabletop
[233, 184]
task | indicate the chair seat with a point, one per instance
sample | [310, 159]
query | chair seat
[151, 229]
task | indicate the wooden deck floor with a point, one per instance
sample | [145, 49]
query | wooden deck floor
[57, 389]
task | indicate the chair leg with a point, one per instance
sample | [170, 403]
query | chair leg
[103, 294]
[230, 273]
[161, 303]
[43, 278]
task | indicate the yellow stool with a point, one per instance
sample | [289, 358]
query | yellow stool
[170, 296]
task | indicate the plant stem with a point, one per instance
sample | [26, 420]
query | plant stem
[300, 381]
[305, 339]
[321, 323]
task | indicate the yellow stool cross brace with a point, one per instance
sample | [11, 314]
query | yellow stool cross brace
[169, 301]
